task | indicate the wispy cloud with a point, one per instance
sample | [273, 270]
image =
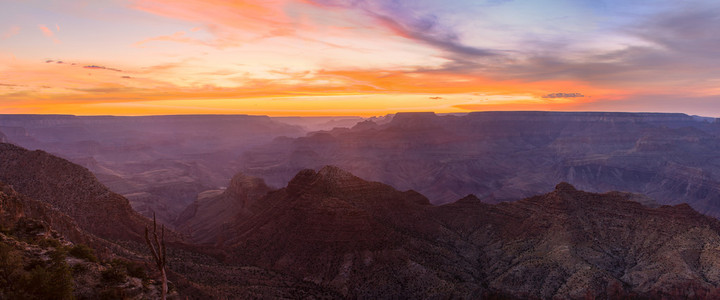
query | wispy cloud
[48, 33]
[540, 52]
[101, 68]
[402, 20]
[670, 51]
[232, 22]
[14, 30]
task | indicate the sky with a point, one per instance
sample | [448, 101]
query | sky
[358, 57]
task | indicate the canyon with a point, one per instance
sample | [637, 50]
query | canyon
[420, 205]
[505, 156]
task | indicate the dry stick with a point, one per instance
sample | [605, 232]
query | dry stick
[159, 253]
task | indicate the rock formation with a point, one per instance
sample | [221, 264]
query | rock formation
[366, 239]
[72, 190]
[205, 218]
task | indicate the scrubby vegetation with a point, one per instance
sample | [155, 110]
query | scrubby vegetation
[46, 268]
[84, 252]
[21, 278]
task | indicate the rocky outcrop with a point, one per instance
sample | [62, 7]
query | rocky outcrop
[205, 218]
[38, 261]
[366, 239]
[336, 230]
[16, 207]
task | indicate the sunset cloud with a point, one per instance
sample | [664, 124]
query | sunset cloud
[285, 55]
[403, 21]
[48, 33]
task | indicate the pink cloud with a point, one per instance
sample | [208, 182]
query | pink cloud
[10, 32]
[231, 22]
[48, 33]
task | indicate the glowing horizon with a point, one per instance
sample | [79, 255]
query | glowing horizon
[367, 57]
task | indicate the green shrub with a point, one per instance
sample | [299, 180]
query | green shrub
[54, 282]
[34, 279]
[5, 230]
[112, 293]
[114, 274]
[11, 271]
[84, 252]
[79, 269]
[47, 242]
[136, 270]
[132, 268]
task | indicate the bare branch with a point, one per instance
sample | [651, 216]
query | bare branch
[158, 252]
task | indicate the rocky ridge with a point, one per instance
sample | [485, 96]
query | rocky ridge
[37, 261]
[206, 216]
[366, 239]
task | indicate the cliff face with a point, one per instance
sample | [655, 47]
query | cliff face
[205, 218]
[15, 207]
[501, 156]
[366, 239]
[72, 190]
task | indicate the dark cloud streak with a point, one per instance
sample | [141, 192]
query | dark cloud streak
[101, 68]
[563, 95]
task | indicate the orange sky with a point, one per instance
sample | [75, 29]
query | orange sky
[368, 57]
